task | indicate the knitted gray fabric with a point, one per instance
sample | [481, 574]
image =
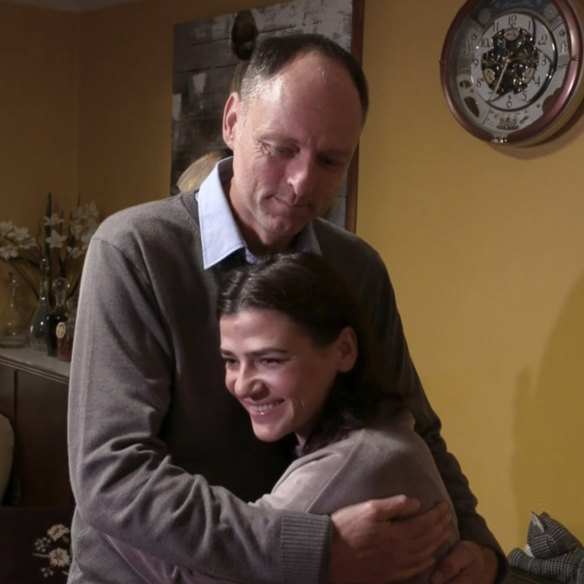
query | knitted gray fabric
[548, 538]
[551, 551]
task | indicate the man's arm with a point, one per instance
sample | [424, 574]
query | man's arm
[370, 544]
[391, 539]
[362, 535]
[124, 479]
[468, 563]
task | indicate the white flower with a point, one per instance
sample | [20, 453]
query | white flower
[28, 243]
[53, 220]
[47, 572]
[77, 229]
[64, 248]
[8, 252]
[55, 548]
[6, 227]
[42, 544]
[59, 558]
[56, 240]
[21, 234]
[57, 531]
[75, 252]
[86, 212]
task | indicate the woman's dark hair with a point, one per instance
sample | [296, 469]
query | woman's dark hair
[304, 287]
[272, 53]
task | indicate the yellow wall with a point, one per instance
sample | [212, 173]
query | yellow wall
[484, 245]
[38, 108]
[485, 248]
[38, 118]
[126, 97]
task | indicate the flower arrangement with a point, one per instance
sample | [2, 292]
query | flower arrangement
[62, 242]
[55, 546]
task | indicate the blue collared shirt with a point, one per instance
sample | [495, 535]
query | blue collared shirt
[220, 235]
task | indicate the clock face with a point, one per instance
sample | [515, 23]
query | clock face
[511, 69]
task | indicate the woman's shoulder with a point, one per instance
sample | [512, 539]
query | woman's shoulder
[383, 444]
[383, 459]
[387, 458]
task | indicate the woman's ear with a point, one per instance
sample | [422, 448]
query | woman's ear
[348, 349]
[230, 118]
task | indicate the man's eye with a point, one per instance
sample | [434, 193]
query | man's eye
[283, 152]
[331, 162]
[276, 151]
[271, 361]
[230, 362]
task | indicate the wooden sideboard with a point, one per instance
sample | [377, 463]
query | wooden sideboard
[33, 396]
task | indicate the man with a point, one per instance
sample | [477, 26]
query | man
[151, 426]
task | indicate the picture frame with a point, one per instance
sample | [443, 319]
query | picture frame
[207, 57]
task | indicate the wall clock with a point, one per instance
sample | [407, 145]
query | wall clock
[511, 70]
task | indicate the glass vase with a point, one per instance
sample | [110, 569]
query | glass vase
[13, 329]
[38, 330]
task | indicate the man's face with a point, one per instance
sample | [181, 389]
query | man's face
[292, 143]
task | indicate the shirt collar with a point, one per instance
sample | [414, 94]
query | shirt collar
[220, 235]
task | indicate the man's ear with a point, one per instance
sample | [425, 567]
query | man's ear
[230, 117]
[348, 349]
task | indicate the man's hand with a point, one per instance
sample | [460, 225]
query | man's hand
[382, 541]
[467, 563]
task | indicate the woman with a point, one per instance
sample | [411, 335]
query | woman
[300, 361]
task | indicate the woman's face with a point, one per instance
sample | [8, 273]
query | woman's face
[278, 374]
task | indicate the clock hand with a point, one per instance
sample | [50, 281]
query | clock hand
[506, 62]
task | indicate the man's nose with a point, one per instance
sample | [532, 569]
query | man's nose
[301, 171]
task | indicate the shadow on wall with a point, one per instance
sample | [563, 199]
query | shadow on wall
[548, 463]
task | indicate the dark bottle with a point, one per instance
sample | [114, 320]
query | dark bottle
[57, 315]
[66, 330]
[38, 328]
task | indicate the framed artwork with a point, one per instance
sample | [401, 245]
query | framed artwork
[208, 57]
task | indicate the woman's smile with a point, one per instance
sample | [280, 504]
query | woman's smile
[276, 371]
[261, 409]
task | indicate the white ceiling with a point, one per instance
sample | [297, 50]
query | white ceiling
[72, 5]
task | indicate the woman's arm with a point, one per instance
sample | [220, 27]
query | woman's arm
[370, 464]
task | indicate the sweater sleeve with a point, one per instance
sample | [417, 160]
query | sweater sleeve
[310, 485]
[315, 484]
[125, 482]
[367, 464]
